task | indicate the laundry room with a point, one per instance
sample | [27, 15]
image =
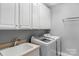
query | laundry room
[39, 29]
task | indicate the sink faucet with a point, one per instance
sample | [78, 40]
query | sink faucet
[17, 41]
[13, 41]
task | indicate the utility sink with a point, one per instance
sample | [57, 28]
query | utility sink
[25, 49]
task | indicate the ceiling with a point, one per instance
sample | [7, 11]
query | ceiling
[51, 4]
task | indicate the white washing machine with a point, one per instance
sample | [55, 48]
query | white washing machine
[58, 43]
[47, 45]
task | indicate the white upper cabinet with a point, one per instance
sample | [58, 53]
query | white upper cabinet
[7, 16]
[44, 17]
[25, 15]
[36, 16]
[41, 16]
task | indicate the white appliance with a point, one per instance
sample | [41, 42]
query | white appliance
[47, 45]
[70, 41]
[58, 43]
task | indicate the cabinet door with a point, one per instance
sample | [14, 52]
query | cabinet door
[36, 16]
[44, 17]
[25, 15]
[7, 15]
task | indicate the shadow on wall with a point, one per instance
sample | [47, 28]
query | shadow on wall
[7, 35]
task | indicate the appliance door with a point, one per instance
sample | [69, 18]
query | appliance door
[70, 41]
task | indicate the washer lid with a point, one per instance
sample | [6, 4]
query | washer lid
[45, 40]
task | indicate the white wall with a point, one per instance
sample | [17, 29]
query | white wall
[61, 11]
